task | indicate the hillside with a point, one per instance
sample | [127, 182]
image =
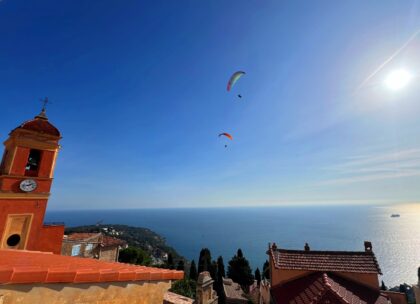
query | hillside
[144, 238]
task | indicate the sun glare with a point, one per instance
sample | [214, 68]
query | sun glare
[398, 79]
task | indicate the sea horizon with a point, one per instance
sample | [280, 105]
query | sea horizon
[395, 240]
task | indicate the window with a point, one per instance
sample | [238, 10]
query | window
[89, 247]
[75, 250]
[32, 165]
[3, 161]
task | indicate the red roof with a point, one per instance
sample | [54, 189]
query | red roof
[21, 266]
[326, 288]
[40, 124]
[345, 261]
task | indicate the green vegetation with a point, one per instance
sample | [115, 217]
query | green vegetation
[134, 255]
[240, 271]
[193, 271]
[144, 239]
[204, 261]
[219, 282]
[184, 287]
[258, 276]
[266, 270]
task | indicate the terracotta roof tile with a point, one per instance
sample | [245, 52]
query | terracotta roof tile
[20, 266]
[319, 287]
[41, 125]
[346, 261]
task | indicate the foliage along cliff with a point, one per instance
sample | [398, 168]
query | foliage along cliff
[144, 238]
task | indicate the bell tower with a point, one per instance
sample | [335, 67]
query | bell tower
[26, 175]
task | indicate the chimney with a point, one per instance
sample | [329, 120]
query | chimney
[307, 248]
[274, 246]
[368, 246]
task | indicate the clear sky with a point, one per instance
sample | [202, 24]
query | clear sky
[139, 94]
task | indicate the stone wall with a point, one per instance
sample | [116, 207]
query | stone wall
[101, 293]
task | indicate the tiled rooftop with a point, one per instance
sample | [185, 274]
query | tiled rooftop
[326, 288]
[345, 261]
[20, 267]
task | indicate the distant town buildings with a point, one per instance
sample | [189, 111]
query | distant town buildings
[31, 267]
[309, 276]
[92, 245]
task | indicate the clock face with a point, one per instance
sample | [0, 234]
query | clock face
[28, 185]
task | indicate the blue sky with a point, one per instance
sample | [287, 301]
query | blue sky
[139, 94]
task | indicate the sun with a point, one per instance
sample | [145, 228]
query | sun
[398, 79]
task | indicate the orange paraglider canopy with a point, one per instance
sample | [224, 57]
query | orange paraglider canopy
[227, 135]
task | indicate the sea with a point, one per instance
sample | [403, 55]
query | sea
[396, 240]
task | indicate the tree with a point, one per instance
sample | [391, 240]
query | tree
[170, 261]
[383, 286]
[184, 287]
[213, 270]
[220, 267]
[240, 271]
[180, 265]
[204, 261]
[258, 276]
[219, 282]
[193, 271]
[266, 270]
[134, 255]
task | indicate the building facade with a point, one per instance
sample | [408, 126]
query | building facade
[92, 245]
[309, 276]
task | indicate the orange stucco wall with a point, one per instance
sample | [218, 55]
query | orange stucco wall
[369, 279]
[50, 239]
[146, 292]
[12, 184]
[40, 237]
[281, 275]
[19, 161]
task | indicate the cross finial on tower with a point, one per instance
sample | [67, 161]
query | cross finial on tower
[43, 114]
[45, 101]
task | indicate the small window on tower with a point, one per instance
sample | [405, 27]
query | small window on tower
[32, 166]
[3, 161]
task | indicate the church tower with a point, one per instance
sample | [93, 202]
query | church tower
[26, 175]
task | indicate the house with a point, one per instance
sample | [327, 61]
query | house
[92, 245]
[310, 276]
[31, 267]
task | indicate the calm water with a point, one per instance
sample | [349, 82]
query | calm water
[396, 241]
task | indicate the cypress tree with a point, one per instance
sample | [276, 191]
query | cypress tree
[266, 270]
[180, 265]
[204, 261]
[240, 271]
[220, 267]
[258, 276]
[219, 283]
[193, 271]
[170, 261]
[383, 286]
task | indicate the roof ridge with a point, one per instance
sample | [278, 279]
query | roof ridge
[324, 251]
